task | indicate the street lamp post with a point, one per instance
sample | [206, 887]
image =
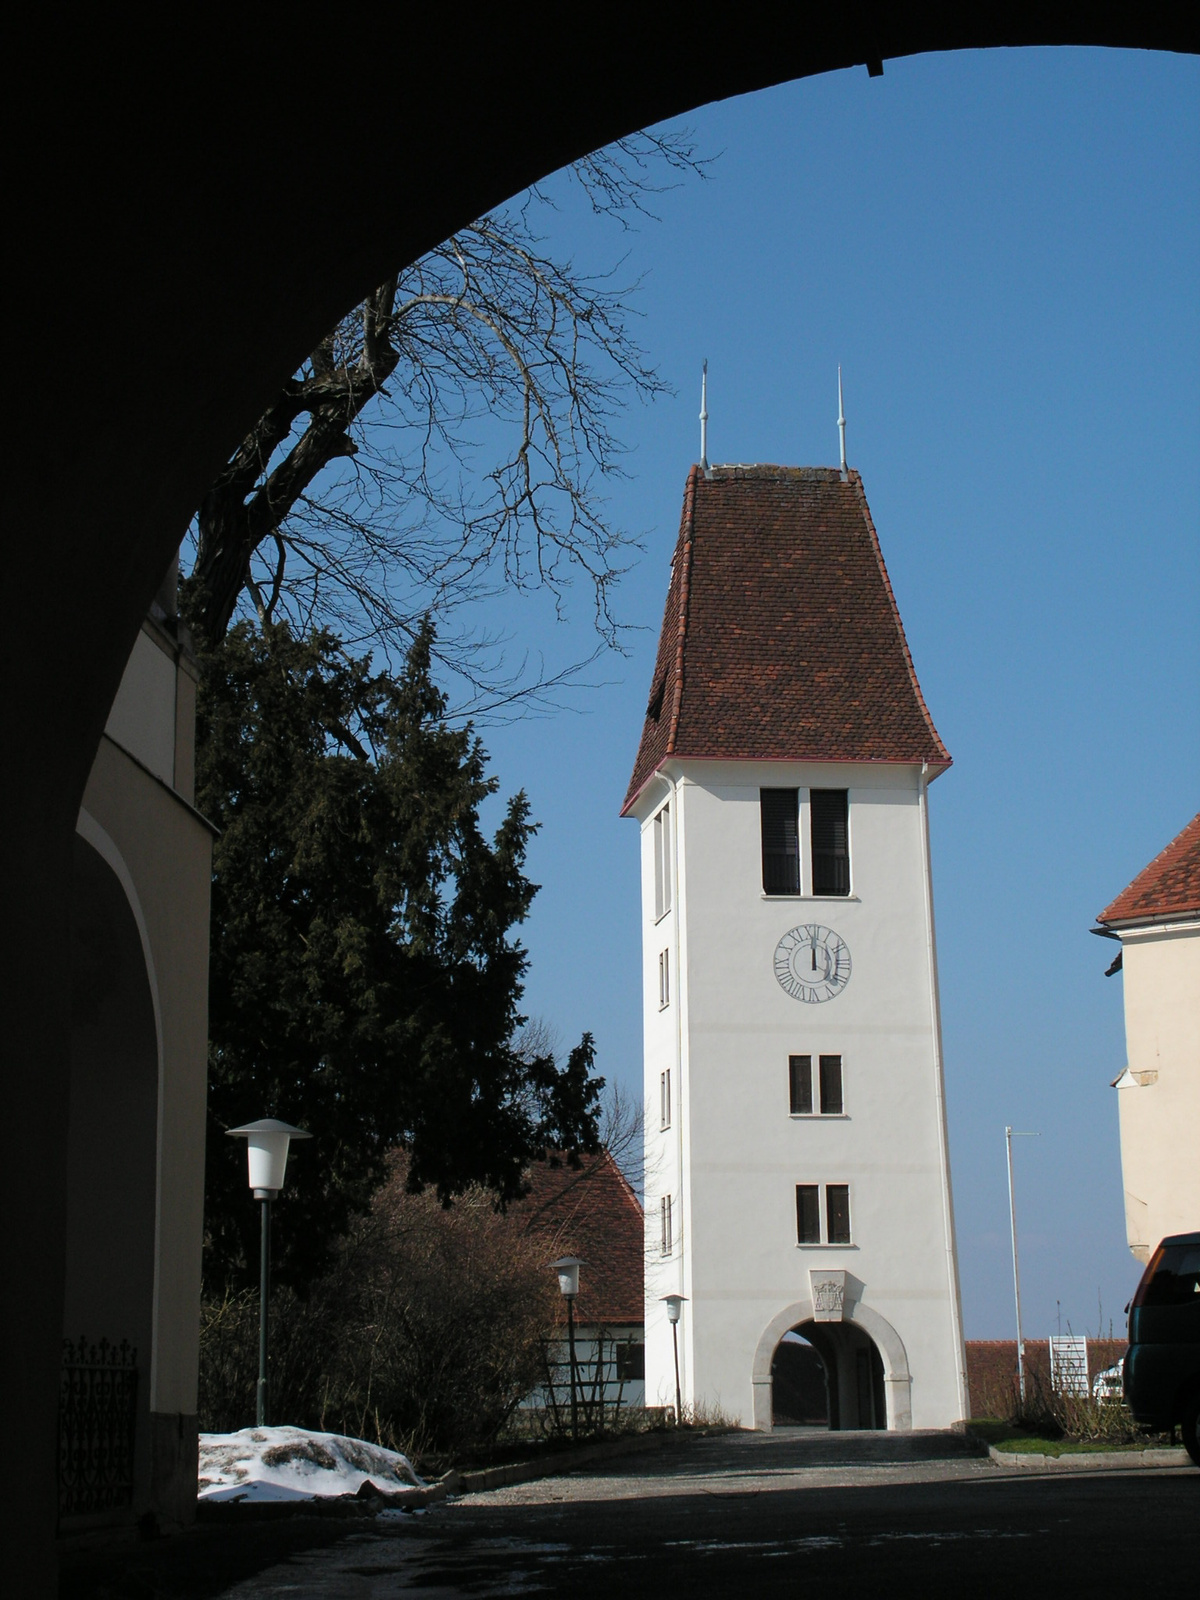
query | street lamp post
[674, 1303]
[567, 1268]
[266, 1158]
[1009, 1136]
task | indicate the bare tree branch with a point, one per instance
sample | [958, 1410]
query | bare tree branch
[484, 351]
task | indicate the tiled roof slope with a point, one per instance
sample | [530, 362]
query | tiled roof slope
[1168, 887]
[781, 640]
[594, 1214]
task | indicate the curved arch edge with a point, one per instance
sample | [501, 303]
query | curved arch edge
[897, 1380]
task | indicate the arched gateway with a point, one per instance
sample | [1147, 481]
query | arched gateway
[864, 1370]
[792, 1036]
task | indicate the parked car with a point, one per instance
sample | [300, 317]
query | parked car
[1162, 1364]
[1110, 1384]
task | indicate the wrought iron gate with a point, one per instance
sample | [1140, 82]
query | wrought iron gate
[97, 1409]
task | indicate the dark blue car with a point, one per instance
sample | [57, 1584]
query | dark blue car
[1162, 1367]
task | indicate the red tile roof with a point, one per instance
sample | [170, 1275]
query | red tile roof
[781, 640]
[594, 1214]
[1168, 887]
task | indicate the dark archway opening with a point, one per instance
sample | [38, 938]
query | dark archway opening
[104, 1408]
[827, 1375]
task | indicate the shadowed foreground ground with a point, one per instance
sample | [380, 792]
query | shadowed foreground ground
[740, 1514]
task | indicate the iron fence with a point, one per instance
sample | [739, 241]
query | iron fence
[96, 1417]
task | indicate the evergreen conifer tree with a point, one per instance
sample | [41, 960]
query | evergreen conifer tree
[365, 979]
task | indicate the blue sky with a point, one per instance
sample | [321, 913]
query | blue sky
[1000, 249]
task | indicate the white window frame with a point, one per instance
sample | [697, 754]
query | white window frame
[664, 1099]
[824, 1243]
[662, 862]
[664, 979]
[667, 1239]
[816, 1114]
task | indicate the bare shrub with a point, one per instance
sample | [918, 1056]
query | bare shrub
[1052, 1414]
[424, 1336]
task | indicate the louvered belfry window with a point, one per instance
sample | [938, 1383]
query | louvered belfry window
[780, 840]
[830, 841]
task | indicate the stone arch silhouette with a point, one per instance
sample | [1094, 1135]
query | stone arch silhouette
[897, 1380]
[170, 232]
[111, 1138]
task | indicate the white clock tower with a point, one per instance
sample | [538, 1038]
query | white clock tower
[797, 1179]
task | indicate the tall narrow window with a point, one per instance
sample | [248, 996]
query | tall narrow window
[830, 841]
[831, 1086]
[664, 1212]
[664, 1099]
[808, 1213]
[664, 979]
[837, 1213]
[800, 1085]
[662, 863]
[780, 810]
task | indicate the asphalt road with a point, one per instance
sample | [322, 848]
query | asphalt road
[758, 1515]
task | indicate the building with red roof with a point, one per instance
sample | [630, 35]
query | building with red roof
[781, 639]
[592, 1213]
[1166, 891]
[797, 1175]
[1157, 920]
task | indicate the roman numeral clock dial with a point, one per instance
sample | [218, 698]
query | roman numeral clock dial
[812, 963]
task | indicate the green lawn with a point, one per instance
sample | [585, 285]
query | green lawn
[1013, 1441]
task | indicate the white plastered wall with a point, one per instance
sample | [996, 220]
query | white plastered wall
[1159, 1095]
[734, 1154]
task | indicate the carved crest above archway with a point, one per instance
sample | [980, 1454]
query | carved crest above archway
[828, 1294]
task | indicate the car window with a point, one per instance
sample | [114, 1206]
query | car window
[1176, 1281]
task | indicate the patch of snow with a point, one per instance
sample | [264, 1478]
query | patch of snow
[296, 1464]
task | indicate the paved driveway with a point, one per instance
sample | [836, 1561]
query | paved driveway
[756, 1515]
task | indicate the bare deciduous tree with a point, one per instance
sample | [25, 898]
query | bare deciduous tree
[622, 1117]
[364, 517]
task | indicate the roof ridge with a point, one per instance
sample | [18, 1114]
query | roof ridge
[855, 478]
[1174, 853]
[686, 540]
[629, 1191]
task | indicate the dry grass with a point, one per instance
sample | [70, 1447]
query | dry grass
[1048, 1414]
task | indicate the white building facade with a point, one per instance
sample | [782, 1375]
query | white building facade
[1157, 920]
[797, 1176]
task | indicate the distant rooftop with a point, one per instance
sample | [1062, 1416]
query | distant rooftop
[1168, 888]
[781, 640]
[591, 1212]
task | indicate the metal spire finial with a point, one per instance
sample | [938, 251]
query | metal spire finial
[704, 420]
[842, 420]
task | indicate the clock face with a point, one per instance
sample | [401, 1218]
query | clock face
[812, 963]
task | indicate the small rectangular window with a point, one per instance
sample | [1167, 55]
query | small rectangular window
[780, 815]
[664, 979]
[630, 1362]
[831, 1086]
[801, 1085]
[664, 1098]
[808, 1213]
[837, 1213]
[664, 1212]
[830, 810]
[662, 863]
